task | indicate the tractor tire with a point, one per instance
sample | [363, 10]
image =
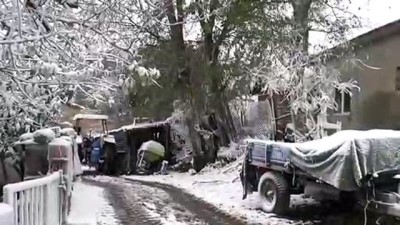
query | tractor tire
[274, 192]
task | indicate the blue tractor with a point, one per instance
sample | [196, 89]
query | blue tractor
[91, 145]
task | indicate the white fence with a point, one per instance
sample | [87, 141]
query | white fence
[39, 201]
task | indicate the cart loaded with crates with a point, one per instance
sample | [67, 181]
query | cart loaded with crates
[355, 168]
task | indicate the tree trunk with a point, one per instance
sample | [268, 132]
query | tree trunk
[229, 121]
[301, 9]
[175, 16]
[197, 154]
[228, 129]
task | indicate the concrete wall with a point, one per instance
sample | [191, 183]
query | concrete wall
[377, 105]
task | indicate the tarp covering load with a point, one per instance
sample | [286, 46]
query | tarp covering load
[35, 147]
[345, 158]
[152, 150]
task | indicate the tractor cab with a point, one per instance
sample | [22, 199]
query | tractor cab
[91, 129]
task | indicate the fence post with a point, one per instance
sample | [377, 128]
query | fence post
[47, 204]
[8, 196]
[62, 191]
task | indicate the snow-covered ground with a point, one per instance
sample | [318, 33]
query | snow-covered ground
[140, 204]
[6, 214]
[222, 188]
[89, 206]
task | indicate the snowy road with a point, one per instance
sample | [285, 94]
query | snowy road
[105, 200]
[134, 203]
[90, 206]
[223, 190]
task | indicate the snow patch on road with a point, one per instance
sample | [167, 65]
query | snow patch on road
[90, 207]
[88, 168]
[169, 220]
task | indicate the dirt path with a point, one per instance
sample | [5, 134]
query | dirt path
[141, 203]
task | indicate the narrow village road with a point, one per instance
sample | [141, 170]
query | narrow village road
[137, 203]
[147, 203]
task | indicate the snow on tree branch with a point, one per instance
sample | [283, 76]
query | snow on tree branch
[49, 50]
[307, 90]
[307, 79]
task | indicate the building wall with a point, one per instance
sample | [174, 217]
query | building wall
[377, 104]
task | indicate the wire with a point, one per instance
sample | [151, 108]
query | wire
[365, 209]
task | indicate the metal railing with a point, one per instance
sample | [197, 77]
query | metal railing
[37, 202]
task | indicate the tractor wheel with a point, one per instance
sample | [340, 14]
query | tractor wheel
[274, 192]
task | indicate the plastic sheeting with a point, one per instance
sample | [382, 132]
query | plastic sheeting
[35, 159]
[153, 151]
[260, 120]
[77, 166]
[345, 158]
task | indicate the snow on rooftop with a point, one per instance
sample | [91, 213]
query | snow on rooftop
[139, 126]
[90, 117]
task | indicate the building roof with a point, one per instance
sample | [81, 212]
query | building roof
[378, 34]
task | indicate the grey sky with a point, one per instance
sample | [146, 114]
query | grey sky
[377, 12]
[374, 13]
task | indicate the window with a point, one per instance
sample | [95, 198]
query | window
[343, 101]
[397, 83]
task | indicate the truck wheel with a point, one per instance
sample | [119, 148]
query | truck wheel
[274, 192]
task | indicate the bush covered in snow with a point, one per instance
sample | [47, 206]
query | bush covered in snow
[44, 136]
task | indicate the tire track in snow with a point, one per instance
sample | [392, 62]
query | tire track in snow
[126, 206]
[90, 206]
[141, 203]
[207, 213]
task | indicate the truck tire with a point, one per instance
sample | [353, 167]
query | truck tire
[274, 192]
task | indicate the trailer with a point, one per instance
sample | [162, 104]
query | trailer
[350, 167]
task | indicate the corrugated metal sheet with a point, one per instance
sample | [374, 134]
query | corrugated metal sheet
[121, 141]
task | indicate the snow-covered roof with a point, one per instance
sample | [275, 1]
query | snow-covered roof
[372, 36]
[378, 33]
[90, 117]
[140, 126]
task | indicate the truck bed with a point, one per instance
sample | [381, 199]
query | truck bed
[343, 160]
